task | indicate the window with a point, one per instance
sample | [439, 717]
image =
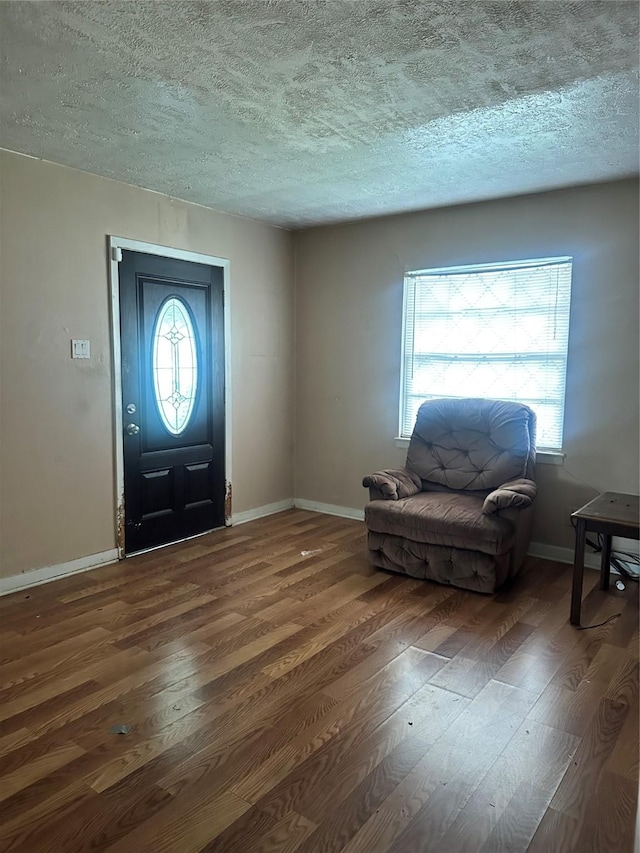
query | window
[497, 330]
[175, 365]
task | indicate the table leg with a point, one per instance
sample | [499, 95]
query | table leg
[578, 572]
[605, 566]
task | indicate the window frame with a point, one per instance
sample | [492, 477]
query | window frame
[550, 455]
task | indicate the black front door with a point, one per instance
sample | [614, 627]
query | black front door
[172, 350]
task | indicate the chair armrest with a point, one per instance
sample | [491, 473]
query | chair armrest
[393, 484]
[518, 494]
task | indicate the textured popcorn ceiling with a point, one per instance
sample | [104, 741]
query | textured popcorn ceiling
[308, 112]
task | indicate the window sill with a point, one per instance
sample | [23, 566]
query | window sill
[544, 457]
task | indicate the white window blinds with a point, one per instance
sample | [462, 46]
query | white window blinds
[498, 331]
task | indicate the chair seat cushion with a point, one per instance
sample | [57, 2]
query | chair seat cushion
[440, 518]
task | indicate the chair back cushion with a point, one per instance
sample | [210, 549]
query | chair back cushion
[472, 444]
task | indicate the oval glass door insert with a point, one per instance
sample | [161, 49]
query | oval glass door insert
[175, 365]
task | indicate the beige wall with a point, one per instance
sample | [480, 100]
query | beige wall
[56, 439]
[56, 464]
[348, 327]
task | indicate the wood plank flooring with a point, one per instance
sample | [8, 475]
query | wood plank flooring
[285, 696]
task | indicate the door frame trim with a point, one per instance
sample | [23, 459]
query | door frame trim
[119, 243]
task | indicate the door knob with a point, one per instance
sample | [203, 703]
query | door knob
[132, 429]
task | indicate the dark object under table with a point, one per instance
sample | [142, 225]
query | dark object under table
[611, 514]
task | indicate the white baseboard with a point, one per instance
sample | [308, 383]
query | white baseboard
[561, 555]
[25, 580]
[15, 583]
[536, 549]
[260, 512]
[329, 509]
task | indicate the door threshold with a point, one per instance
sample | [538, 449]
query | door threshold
[173, 542]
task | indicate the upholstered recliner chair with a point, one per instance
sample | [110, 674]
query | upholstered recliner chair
[460, 511]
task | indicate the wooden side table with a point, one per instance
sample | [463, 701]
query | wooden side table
[612, 514]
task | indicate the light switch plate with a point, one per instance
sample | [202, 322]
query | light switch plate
[80, 349]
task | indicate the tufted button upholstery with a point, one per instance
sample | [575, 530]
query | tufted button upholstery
[472, 444]
[459, 512]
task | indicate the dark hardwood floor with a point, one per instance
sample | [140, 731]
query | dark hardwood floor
[284, 696]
